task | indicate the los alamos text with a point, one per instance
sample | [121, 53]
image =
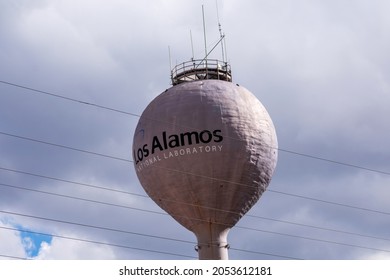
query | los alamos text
[163, 142]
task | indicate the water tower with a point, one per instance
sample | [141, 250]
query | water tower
[205, 150]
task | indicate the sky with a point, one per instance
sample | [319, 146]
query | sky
[76, 75]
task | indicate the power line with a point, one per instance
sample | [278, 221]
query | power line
[330, 202]
[119, 111]
[172, 239]
[262, 253]
[93, 226]
[97, 242]
[82, 199]
[320, 228]
[69, 98]
[116, 230]
[155, 212]
[211, 208]
[63, 146]
[138, 116]
[71, 182]
[116, 158]
[163, 213]
[278, 192]
[335, 162]
[145, 196]
[132, 248]
[189, 173]
[12, 257]
[316, 239]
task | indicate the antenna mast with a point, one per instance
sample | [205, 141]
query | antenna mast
[205, 41]
[192, 46]
[220, 33]
[170, 62]
[203, 69]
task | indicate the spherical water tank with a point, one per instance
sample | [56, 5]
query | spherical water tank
[205, 151]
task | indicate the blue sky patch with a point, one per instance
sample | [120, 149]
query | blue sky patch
[32, 241]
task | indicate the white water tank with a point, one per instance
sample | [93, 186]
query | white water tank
[205, 151]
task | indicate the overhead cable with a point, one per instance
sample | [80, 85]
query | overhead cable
[172, 239]
[133, 248]
[96, 242]
[189, 173]
[138, 116]
[163, 213]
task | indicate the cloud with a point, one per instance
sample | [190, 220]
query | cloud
[74, 250]
[320, 68]
[33, 242]
[10, 245]
[20, 237]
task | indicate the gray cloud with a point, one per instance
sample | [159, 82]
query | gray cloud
[320, 68]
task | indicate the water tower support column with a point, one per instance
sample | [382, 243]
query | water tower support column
[212, 242]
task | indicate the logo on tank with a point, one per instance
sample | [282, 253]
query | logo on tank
[164, 146]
